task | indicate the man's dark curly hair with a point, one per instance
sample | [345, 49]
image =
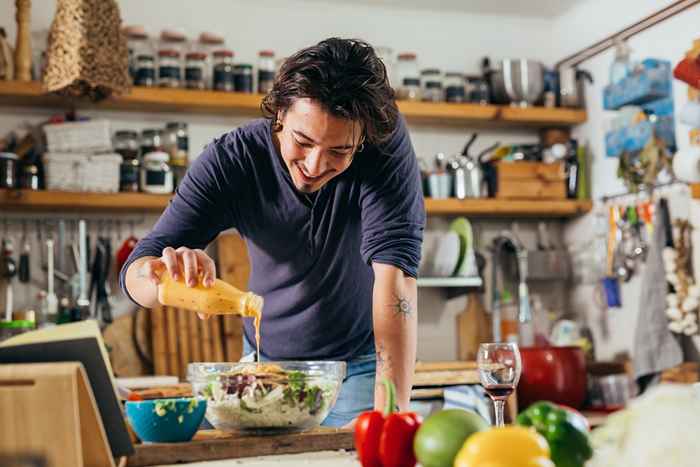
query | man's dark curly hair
[346, 77]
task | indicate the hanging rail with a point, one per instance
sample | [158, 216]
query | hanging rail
[641, 25]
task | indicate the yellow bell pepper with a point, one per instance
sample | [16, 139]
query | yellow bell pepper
[511, 446]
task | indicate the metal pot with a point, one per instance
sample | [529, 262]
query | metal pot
[572, 86]
[517, 81]
[8, 170]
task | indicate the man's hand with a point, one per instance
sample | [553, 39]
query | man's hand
[144, 274]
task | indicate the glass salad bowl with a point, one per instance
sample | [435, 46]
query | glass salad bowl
[268, 396]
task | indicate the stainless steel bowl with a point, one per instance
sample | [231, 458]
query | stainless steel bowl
[517, 81]
[268, 396]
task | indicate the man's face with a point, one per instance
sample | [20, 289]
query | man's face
[315, 145]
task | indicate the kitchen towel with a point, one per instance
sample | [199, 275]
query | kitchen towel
[655, 347]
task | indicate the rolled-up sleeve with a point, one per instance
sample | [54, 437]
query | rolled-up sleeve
[391, 202]
[201, 208]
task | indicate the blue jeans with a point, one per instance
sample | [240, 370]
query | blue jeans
[357, 392]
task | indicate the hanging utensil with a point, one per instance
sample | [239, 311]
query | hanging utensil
[24, 263]
[51, 298]
[9, 270]
[83, 304]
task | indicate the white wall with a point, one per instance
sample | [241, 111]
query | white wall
[614, 330]
[449, 41]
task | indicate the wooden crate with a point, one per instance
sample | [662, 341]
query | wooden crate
[531, 180]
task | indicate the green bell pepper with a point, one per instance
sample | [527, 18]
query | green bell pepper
[567, 437]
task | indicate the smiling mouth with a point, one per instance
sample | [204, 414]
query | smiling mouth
[308, 178]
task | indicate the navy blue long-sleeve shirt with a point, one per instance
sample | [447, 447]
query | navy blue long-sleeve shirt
[310, 257]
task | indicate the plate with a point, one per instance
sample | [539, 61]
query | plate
[447, 255]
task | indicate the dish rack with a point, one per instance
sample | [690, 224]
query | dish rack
[91, 136]
[82, 172]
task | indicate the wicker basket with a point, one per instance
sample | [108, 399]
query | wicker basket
[82, 172]
[79, 137]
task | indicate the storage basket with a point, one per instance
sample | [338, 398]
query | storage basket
[82, 172]
[79, 137]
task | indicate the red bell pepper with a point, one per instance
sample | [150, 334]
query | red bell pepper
[385, 439]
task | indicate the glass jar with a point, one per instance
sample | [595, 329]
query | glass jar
[30, 177]
[223, 70]
[156, 175]
[129, 176]
[195, 70]
[243, 78]
[169, 66]
[151, 140]
[126, 144]
[138, 44]
[266, 71]
[432, 85]
[479, 91]
[145, 74]
[409, 77]
[455, 89]
[177, 146]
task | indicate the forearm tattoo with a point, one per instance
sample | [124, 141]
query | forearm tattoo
[383, 360]
[402, 307]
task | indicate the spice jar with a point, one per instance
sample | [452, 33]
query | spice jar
[156, 176]
[30, 177]
[409, 77]
[126, 144]
[266, 71]
[195, 70]
[129, 176]
[177, 146]
[455, 89]
[479, 92]
[145, 74]
[8, 170]
[432, 85]
[243, 78]
[169, 68]
[151, 140]
[223, 70]
[138, 44]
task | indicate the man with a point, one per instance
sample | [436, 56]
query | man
[326, 192]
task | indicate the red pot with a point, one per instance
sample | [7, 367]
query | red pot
[556, 374]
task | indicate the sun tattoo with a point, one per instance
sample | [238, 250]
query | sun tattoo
[402, 307]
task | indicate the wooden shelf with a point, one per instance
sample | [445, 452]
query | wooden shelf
[69, 201]
[493, 207]
[226, 103]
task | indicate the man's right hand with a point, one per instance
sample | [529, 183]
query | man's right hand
[183, 262]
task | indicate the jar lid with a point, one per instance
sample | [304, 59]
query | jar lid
[266, 53]
[407, 56]
[196, 56]
[145, 58]
[126, 134]
[243, 66]
[135, 32]
[168, 53]
[9, 155]
[430, 71]
[151, 132]
[223, 53]
[156, 156]
[176, 125]
[17, 324]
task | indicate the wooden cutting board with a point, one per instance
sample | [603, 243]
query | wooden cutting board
[473, 328]
[214, 445]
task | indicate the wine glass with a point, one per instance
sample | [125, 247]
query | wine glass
[499, 371]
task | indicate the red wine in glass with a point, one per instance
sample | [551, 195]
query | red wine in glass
[499, 391]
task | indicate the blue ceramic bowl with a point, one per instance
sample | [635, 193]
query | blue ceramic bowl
[166, 420]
